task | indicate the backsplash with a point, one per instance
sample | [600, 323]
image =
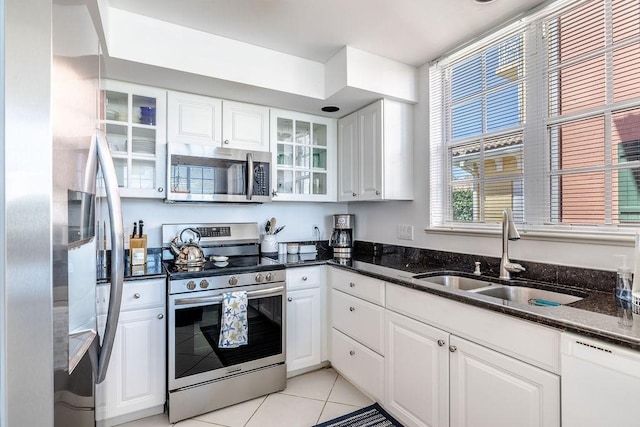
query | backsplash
[418, 260]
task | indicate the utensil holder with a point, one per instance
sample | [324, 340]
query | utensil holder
[269, 244]
[138, 250]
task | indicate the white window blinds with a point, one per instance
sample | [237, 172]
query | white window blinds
[542, 117]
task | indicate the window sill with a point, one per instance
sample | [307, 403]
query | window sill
[621, 238]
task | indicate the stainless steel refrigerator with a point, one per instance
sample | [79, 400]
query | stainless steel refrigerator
[50, 354]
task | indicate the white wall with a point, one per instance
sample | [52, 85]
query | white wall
[377, 221]
[298, 218]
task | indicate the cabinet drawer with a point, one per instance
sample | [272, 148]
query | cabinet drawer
[363, 367]
[135, 294]
[359, 319]
[304, 277]
[358, 285]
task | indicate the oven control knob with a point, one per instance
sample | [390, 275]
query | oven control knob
[204, 284]
[269, 277]
[259, 277]
[191, 285]
[233, 280]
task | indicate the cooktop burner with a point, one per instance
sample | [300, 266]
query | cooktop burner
[234, 265]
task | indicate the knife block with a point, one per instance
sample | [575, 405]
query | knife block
[138, 250]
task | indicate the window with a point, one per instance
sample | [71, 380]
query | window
[542, 117]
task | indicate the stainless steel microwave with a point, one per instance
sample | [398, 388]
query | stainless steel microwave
[203, 173]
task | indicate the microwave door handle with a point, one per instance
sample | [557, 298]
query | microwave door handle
[249, 176]
[117, 253]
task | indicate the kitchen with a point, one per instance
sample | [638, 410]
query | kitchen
[257, 87]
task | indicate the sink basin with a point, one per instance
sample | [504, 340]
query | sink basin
[532, 296]
[457, 282]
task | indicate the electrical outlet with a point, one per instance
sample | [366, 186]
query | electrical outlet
[405, 232]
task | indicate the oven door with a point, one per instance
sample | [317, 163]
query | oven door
[194, 331]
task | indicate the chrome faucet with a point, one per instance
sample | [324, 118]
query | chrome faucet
[509, 232]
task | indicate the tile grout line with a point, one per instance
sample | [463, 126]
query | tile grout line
[256, 410]
[327, 399]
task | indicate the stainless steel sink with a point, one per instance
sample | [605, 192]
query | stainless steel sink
[457, 282]
[532, 296]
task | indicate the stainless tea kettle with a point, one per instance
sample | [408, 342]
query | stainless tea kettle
[188, 253]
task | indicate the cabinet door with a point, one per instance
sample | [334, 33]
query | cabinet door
[491, 389]
[304, 157]
[348, 168]
[133, 118]
[416, 372]
[194, 119]
[136, 376]
[245, 126]
[370, 153]
[303, 328]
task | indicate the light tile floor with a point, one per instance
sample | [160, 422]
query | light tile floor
[309, 399]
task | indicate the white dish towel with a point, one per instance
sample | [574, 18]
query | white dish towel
[234, 327]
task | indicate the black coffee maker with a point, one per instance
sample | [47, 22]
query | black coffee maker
[342, 236]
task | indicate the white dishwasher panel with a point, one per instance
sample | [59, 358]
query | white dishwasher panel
[600, 383]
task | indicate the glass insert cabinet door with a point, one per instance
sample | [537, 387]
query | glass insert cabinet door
[133, 119]
[304, 152]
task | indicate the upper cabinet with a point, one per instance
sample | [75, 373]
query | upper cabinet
[375, 147]
[204, 120]
[133, 117]
[304, 157]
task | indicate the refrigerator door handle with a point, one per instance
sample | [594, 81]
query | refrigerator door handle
[117, 253]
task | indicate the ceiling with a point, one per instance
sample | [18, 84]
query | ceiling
[409, 31]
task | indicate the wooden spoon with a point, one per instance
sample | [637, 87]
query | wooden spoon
[272, 225]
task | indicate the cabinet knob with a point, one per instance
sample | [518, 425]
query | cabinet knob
[274, 193]
[352, 309]
[161, 316]
[352, 353]
[377, 193]
[289, 299]
[160, 189]
[452, 348]
[226, 141]
[354, 194]
[441, 343]
[304, 278]
[136, 295]
[352, 285]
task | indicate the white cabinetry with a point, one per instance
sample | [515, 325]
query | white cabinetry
[416, 372]
[375, 159]
[305, 318]
[304, 157]
[245, 126]
[135, 386]
[357, 335]
[434, 377]
[194, 119]
[205, 120]
[133, 118]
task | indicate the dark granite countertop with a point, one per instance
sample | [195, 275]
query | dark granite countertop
[598, 315]
[152, 269]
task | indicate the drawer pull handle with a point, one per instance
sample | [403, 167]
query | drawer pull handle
[352, 309]
[289, 299]
[452, 348]
[441, 343]
[352, 353]
[161, 316]
[136, 295]
[304, 278]
[352, 285]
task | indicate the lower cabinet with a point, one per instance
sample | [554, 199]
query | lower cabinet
[306, 324]
[303, 329]
[135, 385]
[434, 378]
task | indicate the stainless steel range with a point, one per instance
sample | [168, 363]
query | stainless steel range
[202, 376]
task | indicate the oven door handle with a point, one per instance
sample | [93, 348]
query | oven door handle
[218, 298]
